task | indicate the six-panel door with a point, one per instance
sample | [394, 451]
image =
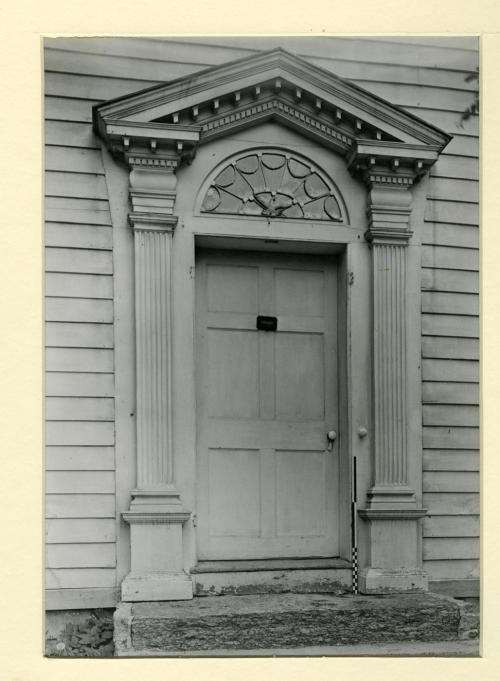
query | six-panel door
[267, 481]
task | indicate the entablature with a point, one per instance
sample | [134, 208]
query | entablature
[162, 127]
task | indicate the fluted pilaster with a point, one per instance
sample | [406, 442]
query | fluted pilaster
[389, 354]
[153, 250]
[389, 233]
[156, 514]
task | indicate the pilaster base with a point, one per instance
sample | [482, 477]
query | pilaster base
[394, 561]
[159, 586]
[156, 517]
[384, 581]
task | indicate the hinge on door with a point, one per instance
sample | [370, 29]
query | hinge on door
[194, 518]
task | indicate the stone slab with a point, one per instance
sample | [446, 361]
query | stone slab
[288, 621]
[337, 581]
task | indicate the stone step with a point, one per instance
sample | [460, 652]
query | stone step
[281, 621]
[239, 577]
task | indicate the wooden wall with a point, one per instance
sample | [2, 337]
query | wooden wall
[424, 75]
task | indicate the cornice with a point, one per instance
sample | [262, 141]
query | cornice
[256, 70]
[161, 127]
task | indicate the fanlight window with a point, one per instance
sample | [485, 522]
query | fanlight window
[272, 185]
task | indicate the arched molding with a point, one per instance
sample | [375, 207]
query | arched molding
[272, 183]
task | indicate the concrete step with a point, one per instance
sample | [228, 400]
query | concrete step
[287, 621]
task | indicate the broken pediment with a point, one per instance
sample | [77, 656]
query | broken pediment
[164, 125]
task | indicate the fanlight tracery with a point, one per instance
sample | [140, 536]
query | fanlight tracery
[272, 185]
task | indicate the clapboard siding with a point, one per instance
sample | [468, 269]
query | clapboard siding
[449, 121]
[67, 61]
[429, 80]
[451, 503]
[68, 384]
[451, 526]
[79, 530]
[453, 211]
[78, 260]
[74, 285]
[437, 279]
[441, 481]
[91, 237]
[452, 437]
[75, 185]
[70, 134]
[96, 87]
[445, 392]
[460, 54]
[443, 347]
[452, 569]
[451, 460]
[93, 87]
[79, 433]
[456, 325]
[80, 408]
[81, 555]
[80, 458]
[78, 310]
[80, 482]
[450, 303]
[450, 415]
[77, 578]
[453, 371]
[80, 506]
[77, 210]
[456, 167]
[451, 547]
[438, 234]
[447, 257]
[78, 335]
[462, 145]
[74, 160]
[67, 110]
[454, 189]
[79, 360]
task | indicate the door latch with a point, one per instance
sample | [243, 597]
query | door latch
[331, 436]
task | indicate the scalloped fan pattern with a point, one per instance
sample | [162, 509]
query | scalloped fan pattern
[272, 185]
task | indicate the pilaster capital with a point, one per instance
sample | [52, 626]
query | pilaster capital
[149, 145]
[383, 163]
[389, 209]
[152, 222]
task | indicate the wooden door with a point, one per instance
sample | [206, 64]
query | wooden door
[267, 482]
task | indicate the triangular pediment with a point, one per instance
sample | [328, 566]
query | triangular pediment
[276, 85]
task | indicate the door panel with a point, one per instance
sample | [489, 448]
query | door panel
[267, 484]
[233, 378]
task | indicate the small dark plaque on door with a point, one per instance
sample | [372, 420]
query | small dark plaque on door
[267, 323]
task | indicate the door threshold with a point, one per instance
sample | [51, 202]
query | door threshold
[204, 566]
